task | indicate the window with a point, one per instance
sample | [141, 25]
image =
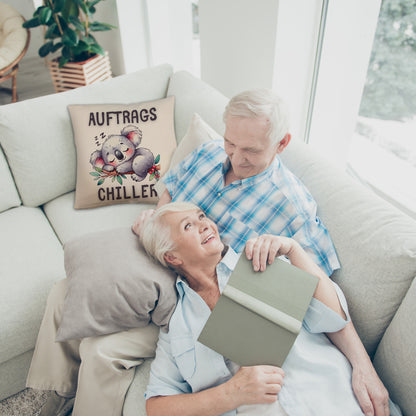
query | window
[383, 147]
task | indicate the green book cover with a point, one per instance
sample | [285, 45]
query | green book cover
[259, 314]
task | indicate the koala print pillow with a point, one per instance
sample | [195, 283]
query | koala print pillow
[122, 151]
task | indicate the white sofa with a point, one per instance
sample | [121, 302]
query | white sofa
[376, 244]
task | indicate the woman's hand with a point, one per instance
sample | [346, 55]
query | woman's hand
[141, 219]
[264, 249]
[255, 385]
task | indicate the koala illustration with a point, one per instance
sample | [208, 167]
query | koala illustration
[121, 153]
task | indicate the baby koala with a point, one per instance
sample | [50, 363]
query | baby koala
[121, 153]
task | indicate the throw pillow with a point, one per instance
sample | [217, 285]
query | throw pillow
[198, 133]
[113, 285]
[122, 150]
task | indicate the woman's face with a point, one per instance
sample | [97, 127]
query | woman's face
[195, 236]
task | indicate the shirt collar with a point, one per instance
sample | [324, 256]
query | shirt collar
[224, 269]
[252, 179]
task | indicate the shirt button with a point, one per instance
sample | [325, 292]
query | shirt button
[219, 194]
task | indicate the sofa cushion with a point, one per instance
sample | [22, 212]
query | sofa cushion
[69, 223]
[113, 286]
[195, 96]
[134, 404]
[394, 359]
[198, 133]
[31, 260]
[46, 131]
[374, 241]
[122, 149]
[9, 196]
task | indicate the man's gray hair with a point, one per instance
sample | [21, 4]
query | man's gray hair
[261, 103]
[155, 235]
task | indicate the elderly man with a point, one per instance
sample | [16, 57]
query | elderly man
[243, 186]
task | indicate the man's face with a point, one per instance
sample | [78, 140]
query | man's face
[247, 146]
[195, 236]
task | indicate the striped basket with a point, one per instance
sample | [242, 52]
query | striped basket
[78, 74]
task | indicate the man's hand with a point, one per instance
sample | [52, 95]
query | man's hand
[264, 249]
[141, 219]
[255, 385]
[370, 392]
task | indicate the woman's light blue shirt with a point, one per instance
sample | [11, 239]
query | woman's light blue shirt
[317, 375]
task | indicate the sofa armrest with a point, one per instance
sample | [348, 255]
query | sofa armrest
[394, 358]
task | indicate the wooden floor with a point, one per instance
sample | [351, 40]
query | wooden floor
[33, 80]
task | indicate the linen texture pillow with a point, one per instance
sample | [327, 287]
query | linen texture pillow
[198, 133]
[122, 150]
[113, 286]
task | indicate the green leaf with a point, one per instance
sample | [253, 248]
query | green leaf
[44, 15]
[45, 49]
[97, 49]
[100, 27]
[95, 174]
[63, 23]
[34, 22]
[70, 9]
[52, 31]
[89, 40]
[58, 5]
[100, 182]
[80, 4]
[57, 46]
[157, 159]
[79, 50]
[62, 61]
[98, 169]
[66, 52]
[123, 176]
[152, 176]
[77, 23]
[70, 37]
[119, 180]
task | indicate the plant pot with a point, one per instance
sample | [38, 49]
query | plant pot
[78, 74]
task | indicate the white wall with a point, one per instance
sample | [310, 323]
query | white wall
[170, 33]
[132, 45]
[238, 42]
[261, 44]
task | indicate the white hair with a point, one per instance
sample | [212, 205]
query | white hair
[261, 103]
[156, 235]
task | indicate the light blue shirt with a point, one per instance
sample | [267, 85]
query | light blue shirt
[273, 202]
[317, 375]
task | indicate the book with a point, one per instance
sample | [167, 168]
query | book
[259, 314]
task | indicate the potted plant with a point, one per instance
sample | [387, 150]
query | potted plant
[68, 32]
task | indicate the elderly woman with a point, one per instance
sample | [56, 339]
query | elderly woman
[188, 378]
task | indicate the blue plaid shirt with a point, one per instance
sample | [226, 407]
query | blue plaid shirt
[273, 202]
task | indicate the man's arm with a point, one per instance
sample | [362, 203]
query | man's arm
[368, 388]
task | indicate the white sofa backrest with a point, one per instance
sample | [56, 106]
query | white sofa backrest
[194, 96]
[38, 140]
[9, 197]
